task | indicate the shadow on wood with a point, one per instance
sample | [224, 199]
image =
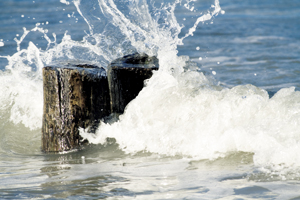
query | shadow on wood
[126, 78]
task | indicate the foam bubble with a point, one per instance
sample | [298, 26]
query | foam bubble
[65, 2]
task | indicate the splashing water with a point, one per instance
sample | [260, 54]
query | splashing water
[181, 111]
[139, 27]
[185, 113]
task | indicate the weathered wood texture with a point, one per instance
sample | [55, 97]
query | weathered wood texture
[81, 95]
[74, 96]
[126, 78]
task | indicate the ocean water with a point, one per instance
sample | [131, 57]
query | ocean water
[219, 120]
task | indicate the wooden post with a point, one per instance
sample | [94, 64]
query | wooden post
[74, 96]
[126, 78]
[80, 95]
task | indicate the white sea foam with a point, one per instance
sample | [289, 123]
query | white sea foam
[186, 116]
[21, 88]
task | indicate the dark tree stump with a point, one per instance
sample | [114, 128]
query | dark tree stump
[126, 78]
[74, 96]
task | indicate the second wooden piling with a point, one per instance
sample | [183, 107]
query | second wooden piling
[126, 78]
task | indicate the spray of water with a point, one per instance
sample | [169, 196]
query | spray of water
[180, 111]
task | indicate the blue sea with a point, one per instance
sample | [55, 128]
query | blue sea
[220, 119]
